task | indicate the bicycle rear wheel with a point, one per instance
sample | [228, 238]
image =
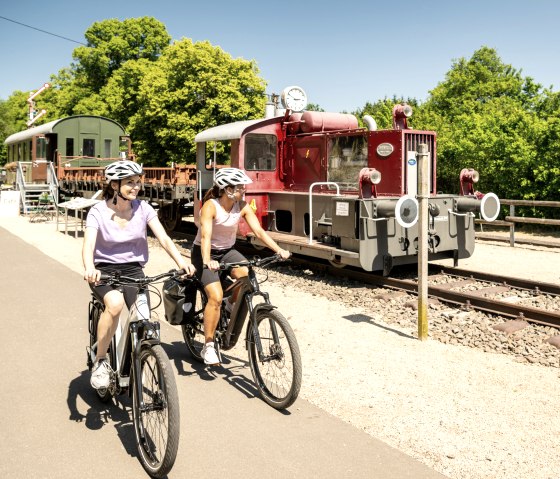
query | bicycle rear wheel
[277, 373]
[193, 330]
[156, 413]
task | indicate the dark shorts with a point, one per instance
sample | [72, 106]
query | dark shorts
[133, 270]
[207, 276]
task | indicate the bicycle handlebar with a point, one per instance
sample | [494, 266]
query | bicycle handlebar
[255, 261]
[118, 279]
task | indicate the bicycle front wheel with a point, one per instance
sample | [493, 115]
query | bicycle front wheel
[156, 412]
[276, 368]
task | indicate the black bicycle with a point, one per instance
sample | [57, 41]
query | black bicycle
[273, 351]
[141, 368]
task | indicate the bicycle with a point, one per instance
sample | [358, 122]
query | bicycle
[141, 368]
[274, 356]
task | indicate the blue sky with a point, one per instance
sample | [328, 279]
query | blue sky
[342, 53]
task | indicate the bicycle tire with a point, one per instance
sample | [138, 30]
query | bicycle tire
[193, 330]
[278, 377]
[157, 425]
[103, 394]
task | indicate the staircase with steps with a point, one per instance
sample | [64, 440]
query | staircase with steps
[39, 200]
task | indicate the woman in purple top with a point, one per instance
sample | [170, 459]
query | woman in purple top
[115, 239]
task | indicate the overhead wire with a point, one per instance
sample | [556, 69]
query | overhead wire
[43, 31]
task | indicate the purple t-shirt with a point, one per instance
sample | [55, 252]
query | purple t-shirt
[120, 245]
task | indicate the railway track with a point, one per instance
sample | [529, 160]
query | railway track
[513, 298]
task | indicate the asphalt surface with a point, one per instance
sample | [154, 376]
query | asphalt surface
[53, 426]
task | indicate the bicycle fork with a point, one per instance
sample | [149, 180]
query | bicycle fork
[256, 335]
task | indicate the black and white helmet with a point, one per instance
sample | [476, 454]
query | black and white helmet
[231, 177]
[122, 169]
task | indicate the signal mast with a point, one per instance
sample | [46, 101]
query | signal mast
[33, 115]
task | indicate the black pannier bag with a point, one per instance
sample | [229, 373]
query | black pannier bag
[178, 300]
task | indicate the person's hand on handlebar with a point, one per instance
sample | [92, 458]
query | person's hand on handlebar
[213, 265]
[283, 253]
[189, 268]
[92, 275]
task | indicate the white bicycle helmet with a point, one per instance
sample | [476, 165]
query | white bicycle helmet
[231, 177]
[122, 169]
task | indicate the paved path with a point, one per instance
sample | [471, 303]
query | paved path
[53, 426]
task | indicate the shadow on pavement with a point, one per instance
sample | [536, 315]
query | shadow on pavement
[231, 370]
[117, 411]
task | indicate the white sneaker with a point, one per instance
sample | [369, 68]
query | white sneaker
[209, 354]
[101, 374]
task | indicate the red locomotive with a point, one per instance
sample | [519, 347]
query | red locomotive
[325, 188]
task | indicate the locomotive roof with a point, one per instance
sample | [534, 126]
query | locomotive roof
[231, 131]
[48, 128]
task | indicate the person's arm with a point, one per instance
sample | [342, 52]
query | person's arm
[260, 233]
[167, 244]
[90, 273]
[207, 215]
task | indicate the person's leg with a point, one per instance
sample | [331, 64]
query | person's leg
[108, 321]
[214, 294]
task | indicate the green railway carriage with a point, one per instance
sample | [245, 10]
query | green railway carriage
[81, 140]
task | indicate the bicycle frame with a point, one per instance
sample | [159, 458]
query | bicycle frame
[248, 289]
[129, 336]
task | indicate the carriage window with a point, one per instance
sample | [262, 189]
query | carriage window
[41, 151]
[107, 149]
[260, 152]
[88, 147]
[69, 146]
[347, 156]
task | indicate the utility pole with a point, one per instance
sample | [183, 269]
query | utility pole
[423, 197]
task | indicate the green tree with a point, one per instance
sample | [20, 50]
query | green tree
[194, 86]
[111, 43]
[485, 116]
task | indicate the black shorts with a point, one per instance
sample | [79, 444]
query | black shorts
[207, 276]
[134, 270]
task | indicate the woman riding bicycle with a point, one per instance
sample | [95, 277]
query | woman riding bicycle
[214, 243]
[115, 239]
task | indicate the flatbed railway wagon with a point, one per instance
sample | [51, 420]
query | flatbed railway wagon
[325, 188]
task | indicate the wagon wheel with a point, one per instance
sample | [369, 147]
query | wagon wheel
[169, 217]
[337, 263]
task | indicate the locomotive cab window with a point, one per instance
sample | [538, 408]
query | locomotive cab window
[260, 152]
[347, 156]
[218, 153]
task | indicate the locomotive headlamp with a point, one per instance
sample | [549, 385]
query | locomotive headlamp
[400, 113]
[375, 177]
[468, 175]
[467, 178]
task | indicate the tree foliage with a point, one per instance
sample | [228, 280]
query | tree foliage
[488, 117]
[111, 43]
[194, 86]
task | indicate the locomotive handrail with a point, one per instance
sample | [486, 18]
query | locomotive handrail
[325, 183]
